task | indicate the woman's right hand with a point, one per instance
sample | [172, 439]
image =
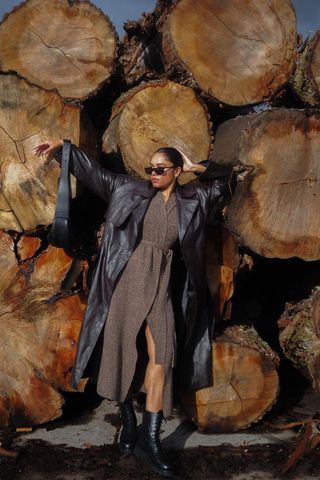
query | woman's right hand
[47, 147]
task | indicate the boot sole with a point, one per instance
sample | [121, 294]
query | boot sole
[140, 453]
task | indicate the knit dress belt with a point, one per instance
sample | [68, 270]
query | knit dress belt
[157, 245]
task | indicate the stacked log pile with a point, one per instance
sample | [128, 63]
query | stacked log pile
[184, 76]
[61, 53]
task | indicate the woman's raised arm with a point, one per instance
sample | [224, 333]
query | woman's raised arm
[89, 172]
[217, 181]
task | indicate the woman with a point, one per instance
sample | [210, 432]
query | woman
[130, 291]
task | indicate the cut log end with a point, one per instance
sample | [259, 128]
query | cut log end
[245, 384]
[157, 115]
[235, 61]
[222, 261]
[272, 211]
[28, 116]
[63, 47]
[38, 333]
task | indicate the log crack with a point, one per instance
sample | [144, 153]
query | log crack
[232, 386]
[39, 109]
[311, 180]
[55, 47]
[27, 136]
[8, 312]
[243, 37]
[17, 150]
[11, 211]
[236, 392]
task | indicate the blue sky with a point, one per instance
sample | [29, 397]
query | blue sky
[308, 12]
[118, 10]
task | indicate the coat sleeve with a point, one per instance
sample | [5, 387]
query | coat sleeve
[218, 183]
[90, 173]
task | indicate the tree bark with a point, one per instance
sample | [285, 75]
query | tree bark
[154, 115]
[245, 383]
[306, 79]
[69, 48]
[300, 336]
[39, 327]
[272, 210]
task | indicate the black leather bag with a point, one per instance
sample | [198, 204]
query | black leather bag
[61, 234]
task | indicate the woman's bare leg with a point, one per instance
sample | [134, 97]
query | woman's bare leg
[149, 443]
[154, 377]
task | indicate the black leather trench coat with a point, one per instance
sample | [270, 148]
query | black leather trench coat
[128, 198]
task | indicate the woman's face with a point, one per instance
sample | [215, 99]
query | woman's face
[169, 176]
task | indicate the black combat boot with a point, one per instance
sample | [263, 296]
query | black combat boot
[149, 445]
[128, 435]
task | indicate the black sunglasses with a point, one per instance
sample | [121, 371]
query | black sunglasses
[157, 170]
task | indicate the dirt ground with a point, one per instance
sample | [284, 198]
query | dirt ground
[38, 460]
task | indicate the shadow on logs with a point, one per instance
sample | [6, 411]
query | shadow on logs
[260, 298]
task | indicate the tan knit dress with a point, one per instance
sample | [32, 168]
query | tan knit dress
[142, 294]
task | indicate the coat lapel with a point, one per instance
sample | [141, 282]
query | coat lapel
[187, 202]
[129, 196]
[126, 198]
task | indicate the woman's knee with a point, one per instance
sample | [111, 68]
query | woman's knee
[158, 370]
[155, 375]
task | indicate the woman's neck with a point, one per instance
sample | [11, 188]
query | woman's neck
[168, 191]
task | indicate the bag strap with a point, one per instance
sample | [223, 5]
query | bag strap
[60, 234]
[64, 190]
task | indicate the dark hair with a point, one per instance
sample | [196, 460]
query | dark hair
[172, 154]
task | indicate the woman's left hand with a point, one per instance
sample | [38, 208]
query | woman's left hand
[189, 166]
[47, 147]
